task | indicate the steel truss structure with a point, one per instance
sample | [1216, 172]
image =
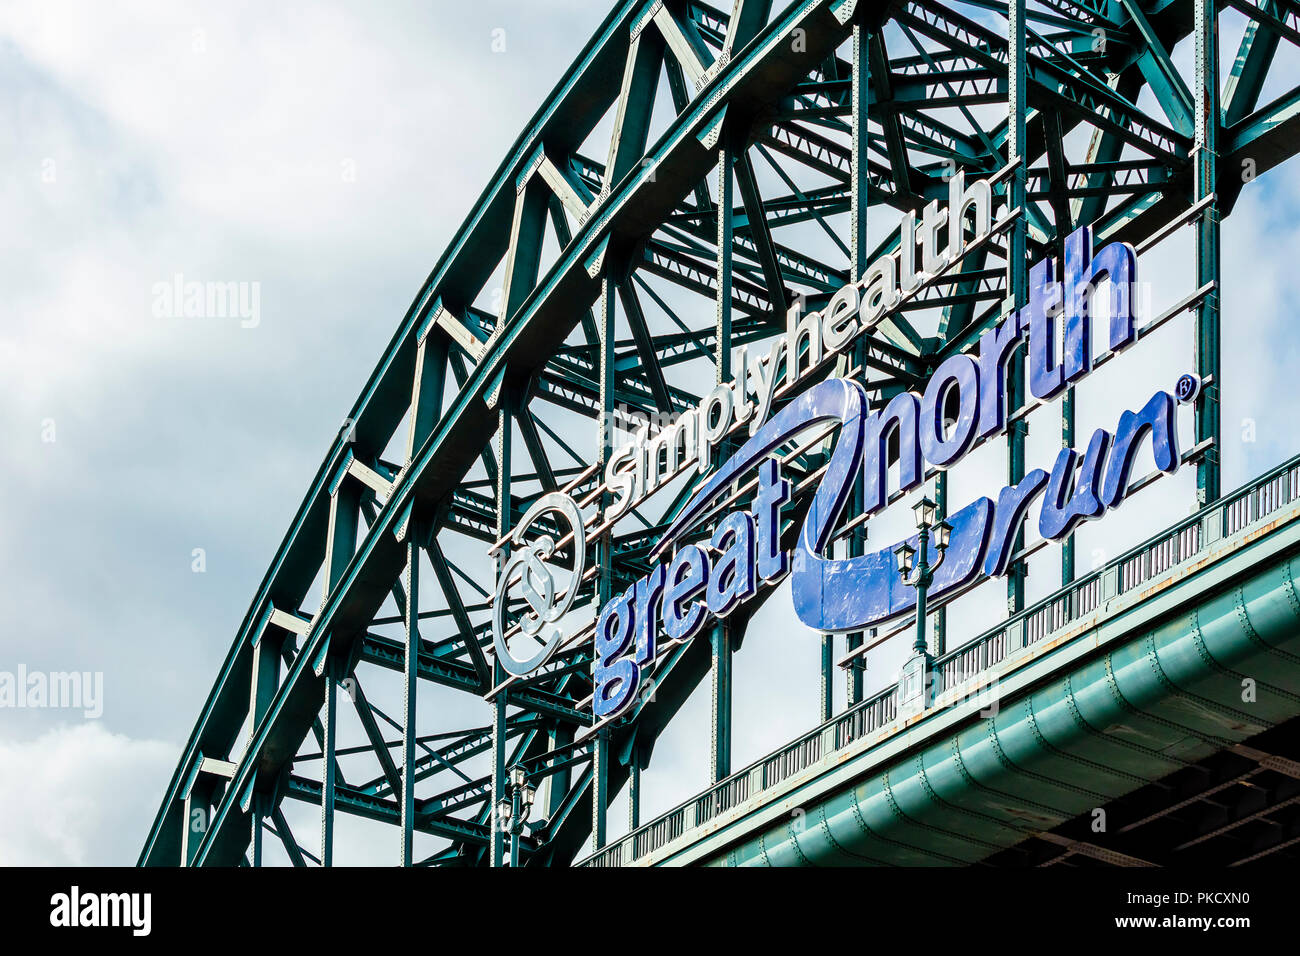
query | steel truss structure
[692, 161]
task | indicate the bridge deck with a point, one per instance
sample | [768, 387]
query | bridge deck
[1132, 673]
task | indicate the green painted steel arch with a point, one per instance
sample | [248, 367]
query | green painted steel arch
[1167, 698]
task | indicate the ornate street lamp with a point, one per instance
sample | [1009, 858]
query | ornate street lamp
[917, 570]
[512, 811]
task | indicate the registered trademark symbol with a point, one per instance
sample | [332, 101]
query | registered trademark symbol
[1188, 387]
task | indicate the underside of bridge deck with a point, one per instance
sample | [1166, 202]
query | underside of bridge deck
[1239, 806]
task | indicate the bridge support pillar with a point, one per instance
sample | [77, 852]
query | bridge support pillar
[859, 204]
[605, 544]
[634, 769]
[720, 634]
[557, 784]
[411, 674]
[328, 765]
[340, 544]
[1017, 280]
[260, 809]
[599, 790]
[505, 521]
[1206, 152]
[720, 644]
[828, 677]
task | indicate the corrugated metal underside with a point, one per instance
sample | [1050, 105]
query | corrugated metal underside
[1145, 709]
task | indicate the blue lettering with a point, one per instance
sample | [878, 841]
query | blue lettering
[899, 417]
[687, 577]
[616, 678]
[732, 578]
[959, 372]
[996, 346]
[1156, 418]
[1118, 262]
[1046, 374]
[1010, 513]
[1064, 509]
[649, 590]
[773, 492]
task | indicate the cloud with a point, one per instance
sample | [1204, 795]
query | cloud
[79, 795]
[327, 153]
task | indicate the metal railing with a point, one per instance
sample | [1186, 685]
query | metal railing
[1235, 512]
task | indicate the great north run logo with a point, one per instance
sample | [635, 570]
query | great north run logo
[682, 595]
[693, 583]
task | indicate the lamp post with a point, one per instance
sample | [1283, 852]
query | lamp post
[513, 810]
[917, 570]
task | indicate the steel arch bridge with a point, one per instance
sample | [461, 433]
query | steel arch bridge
[694, 173]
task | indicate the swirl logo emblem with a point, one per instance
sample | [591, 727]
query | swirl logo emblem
[529, 569]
